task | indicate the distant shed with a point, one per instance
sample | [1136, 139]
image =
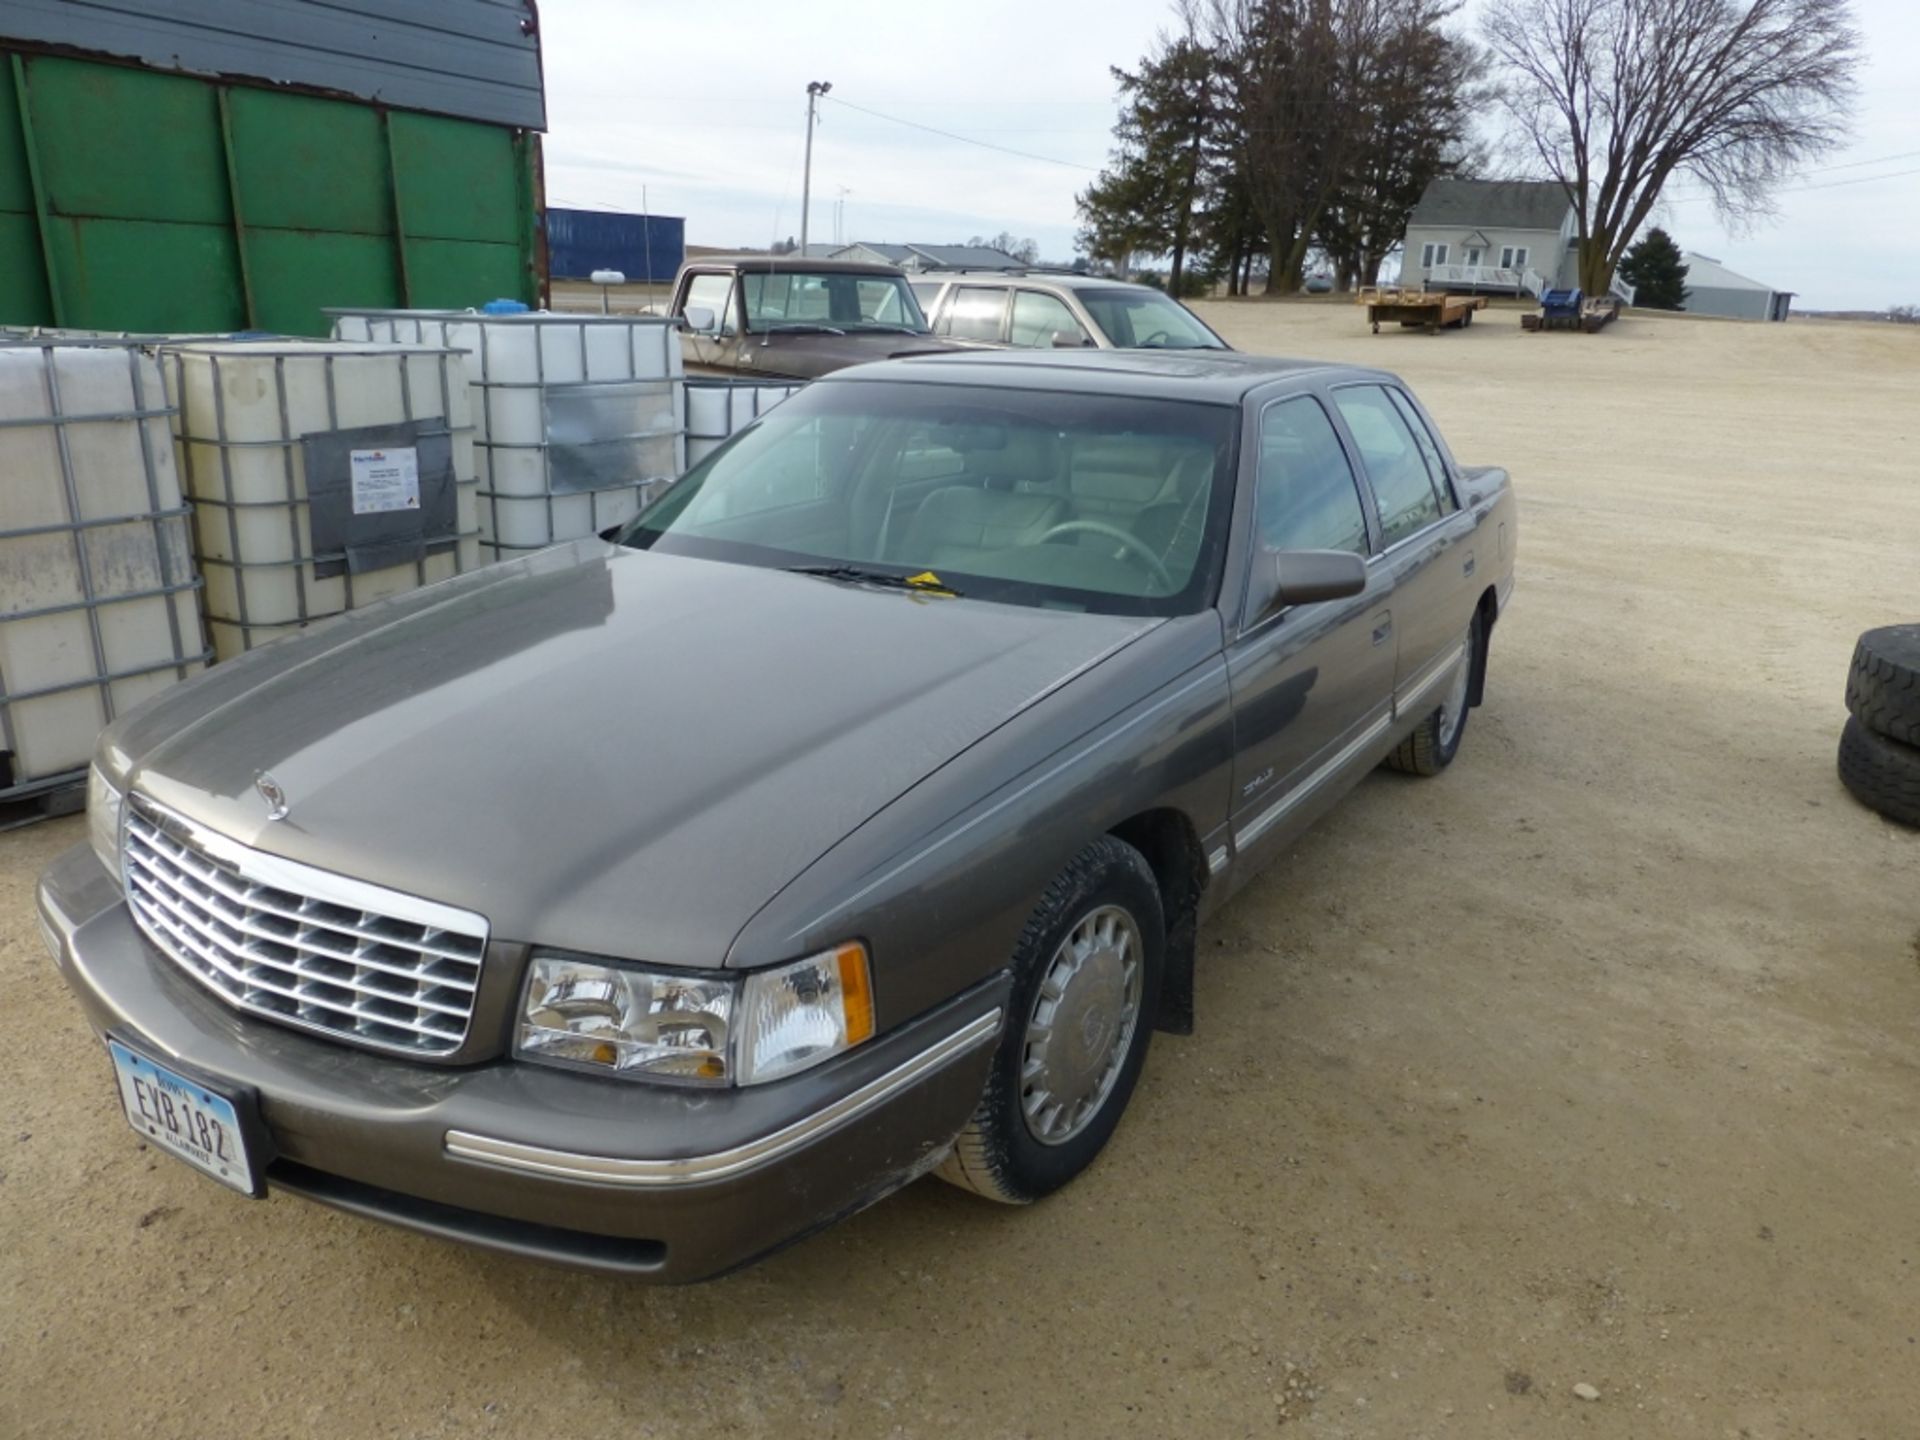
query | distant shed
[641, 247]
[1713, 289]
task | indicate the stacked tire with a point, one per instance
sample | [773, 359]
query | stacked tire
[1880, 748]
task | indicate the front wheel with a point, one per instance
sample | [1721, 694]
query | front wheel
[1086, 982]
[1431, 747]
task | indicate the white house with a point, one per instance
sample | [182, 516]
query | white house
[1713, 289]
[1511, 236]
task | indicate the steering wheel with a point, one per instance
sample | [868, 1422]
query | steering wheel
[1131, 544]
[1149, 342]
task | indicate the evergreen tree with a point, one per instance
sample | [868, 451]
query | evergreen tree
[1655, 269]
[1145, 199]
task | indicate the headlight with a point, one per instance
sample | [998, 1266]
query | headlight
[103, 819]
[708, 1029]
[796, 1016]
[631, 1022]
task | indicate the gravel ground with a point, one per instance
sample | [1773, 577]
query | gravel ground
[1587, 1070]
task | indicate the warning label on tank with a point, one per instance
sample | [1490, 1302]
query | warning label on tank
[385, 480]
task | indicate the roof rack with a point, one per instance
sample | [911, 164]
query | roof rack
[1007, 270]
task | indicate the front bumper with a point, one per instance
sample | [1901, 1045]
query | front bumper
[662, 1183]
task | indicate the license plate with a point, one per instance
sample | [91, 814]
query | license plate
[189, 1120]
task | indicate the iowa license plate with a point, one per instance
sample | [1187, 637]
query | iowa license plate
[192, 1121]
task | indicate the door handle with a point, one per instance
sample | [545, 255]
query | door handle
[1382, 631]
[1468, 567]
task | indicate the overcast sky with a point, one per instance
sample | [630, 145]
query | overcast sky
[704, 106]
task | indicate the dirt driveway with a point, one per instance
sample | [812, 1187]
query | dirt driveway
[1596, 1061]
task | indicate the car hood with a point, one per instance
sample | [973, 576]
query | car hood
[605, 750]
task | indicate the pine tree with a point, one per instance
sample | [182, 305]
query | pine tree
[1656, 271]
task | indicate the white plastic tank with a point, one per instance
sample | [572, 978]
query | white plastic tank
[578, 419]
[719, 408]
[99, 603]
[324, 476]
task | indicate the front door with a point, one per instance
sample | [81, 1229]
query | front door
[1473, 254]
[717, 349]
[1312, 684]
[1427, 538]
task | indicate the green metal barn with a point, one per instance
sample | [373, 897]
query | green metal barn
[240, 164]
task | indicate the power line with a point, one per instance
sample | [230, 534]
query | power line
[1826, 185]
[965, 139]
[1856, 164]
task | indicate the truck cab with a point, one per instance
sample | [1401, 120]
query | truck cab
[785, 317]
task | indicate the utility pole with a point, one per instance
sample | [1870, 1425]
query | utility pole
[815, 89]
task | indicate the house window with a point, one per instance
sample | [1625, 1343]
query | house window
[1432, 255]
[1513, 257]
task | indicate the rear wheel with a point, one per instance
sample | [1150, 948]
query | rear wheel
[1086, 981]
[1432, 746]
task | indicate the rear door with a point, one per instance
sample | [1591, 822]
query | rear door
[974, 314]
[1426, 539]
[1312, 684]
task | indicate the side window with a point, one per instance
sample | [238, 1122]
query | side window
[1307, 498]
[1038, 317]
[974, 312]
[1392, 457]
[1429, 450]
[715, 293]
[926, 292]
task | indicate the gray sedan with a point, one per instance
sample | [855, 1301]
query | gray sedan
[645, 904]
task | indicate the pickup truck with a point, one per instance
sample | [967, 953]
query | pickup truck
[787, 318]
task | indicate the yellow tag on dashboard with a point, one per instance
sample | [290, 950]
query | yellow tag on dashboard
[927, 578]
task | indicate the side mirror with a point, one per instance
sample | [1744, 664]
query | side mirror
[1069, 340]
[699, 319]
[1305, 577]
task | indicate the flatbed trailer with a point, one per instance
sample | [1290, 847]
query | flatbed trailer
[1429, 310]
[1590, 315]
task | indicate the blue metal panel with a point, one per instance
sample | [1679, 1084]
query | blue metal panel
[642, 247]
[477, 59]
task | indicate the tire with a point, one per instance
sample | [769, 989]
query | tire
[1883, 687]
[1000, 1154]
[1883, 774]
[1434, 743]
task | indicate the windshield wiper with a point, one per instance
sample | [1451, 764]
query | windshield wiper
[925, 583]
[804, 327]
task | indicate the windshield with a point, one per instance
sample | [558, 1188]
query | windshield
[1033, 497]
[830, 301]
[1135, 318]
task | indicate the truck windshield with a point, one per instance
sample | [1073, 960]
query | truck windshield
[1035, 497]
[830, 300]
[1135, 318]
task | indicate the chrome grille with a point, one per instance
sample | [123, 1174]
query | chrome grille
[303, 946]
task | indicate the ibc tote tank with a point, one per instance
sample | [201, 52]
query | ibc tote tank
[578, 419]
[98, 597]
[719, 408]
[324, 476]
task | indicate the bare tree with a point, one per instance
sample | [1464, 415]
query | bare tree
[1617, 97]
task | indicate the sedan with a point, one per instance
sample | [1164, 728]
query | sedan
[644, 904]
